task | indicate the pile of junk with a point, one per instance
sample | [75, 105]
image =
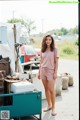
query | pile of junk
[18, 96]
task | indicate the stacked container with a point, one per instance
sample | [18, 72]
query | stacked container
[2, 74]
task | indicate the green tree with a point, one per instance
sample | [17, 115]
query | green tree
[73, 30]
[15, 20]
[64, 31]
[28, 24]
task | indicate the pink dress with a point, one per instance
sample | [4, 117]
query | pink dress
[47, 65]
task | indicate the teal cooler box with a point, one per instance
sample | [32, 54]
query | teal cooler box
[22, 59]
[23, 104]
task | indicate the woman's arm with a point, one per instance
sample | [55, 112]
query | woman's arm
[56, 67]
[56, 58]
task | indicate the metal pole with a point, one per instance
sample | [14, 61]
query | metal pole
[15, 48]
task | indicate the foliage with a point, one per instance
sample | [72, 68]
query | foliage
[73, 30]
[68, 49]
[77, 42]
[28, 24]
[15, 20]
[64, 31]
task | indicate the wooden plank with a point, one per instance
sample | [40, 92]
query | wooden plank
[29, 63]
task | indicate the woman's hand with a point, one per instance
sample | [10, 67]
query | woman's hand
[39, 73]
[55, 75]
[38, 76]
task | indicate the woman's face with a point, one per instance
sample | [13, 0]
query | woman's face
[48, 41]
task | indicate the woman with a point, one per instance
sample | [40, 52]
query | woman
[48, 70]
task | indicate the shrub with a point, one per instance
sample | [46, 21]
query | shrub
[76, 42]
[68, 50]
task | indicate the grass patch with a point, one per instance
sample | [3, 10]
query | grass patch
[66, 56]
[68, 50]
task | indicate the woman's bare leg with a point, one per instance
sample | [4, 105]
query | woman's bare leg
[51, 84]
[47, 93]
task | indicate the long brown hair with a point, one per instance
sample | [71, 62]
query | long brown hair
[44, 46]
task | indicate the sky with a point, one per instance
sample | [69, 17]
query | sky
[45, 16]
